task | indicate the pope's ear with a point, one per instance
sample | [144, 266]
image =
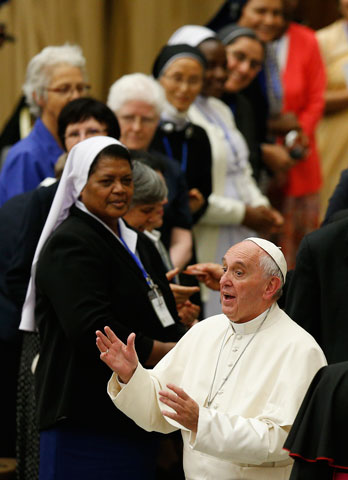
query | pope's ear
[273, 285]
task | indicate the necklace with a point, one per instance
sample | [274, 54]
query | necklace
[212, 397]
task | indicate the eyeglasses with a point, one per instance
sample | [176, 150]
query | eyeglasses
[177, 80]
[89, 132]
[241, 57]
[68, 90]
[145, 121]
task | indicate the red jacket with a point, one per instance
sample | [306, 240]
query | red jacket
[304, 83]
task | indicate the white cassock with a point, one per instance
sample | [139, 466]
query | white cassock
[244, 420]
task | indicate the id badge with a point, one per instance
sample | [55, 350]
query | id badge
[160, 307]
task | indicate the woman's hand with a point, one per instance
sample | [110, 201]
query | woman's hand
[121, 358]
[263, 219]
[277, 158]
[207, 273]
[188, 313]
[196, 200]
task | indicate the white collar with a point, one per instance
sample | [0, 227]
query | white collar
[251, 326]
[171, 114]
[129, 236]
[154, 235]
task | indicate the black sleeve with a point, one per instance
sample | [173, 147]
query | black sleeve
[34, 218]
[303, 298]
[339, 198]
[203, 169]
[74, 285]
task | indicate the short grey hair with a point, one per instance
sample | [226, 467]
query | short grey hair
[136, 86]
[41, 68]
[271, 269]
[149, 187]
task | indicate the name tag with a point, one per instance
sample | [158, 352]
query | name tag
[160, 307]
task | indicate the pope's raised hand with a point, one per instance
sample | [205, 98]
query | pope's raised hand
[121, 358]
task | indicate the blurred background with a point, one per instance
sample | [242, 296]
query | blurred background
[117, 36]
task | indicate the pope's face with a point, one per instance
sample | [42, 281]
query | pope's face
[243, 285]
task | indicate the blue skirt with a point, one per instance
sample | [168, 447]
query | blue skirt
[70, 453]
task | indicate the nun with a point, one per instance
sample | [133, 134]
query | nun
[180, 70]
[91, 269]
[236, 208]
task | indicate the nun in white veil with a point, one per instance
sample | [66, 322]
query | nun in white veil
[90, 269]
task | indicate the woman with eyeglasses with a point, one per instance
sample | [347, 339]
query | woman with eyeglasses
[89, 269]
[245, 54]
[54, 77]
[237, 208]
[180, 70]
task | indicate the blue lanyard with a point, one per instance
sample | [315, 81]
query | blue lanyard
[138, 262]
[184, 154]
[272, 65]
[214, 118]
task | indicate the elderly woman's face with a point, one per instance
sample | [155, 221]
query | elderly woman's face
[146, 216]
[265, 17]
[182, 82]
[109, 189]
[138, 121]
[244, 61]
[66, 84]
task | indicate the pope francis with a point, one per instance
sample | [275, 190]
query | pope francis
[234, 383]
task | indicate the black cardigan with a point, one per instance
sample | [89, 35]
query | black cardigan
[198, 171]
[85, 280]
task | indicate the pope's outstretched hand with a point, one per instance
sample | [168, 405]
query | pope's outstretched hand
[121, 358]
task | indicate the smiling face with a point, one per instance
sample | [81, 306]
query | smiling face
[244, 61]
[182, 82]
[245, 291]
[109, 189]
[216, 73]
[265, 17]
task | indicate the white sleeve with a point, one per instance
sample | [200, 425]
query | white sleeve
[234, 438]
[226, 210]
[223, 211]
[139, 400]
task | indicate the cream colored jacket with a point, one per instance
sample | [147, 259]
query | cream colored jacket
[222, 210]
[241, 435]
